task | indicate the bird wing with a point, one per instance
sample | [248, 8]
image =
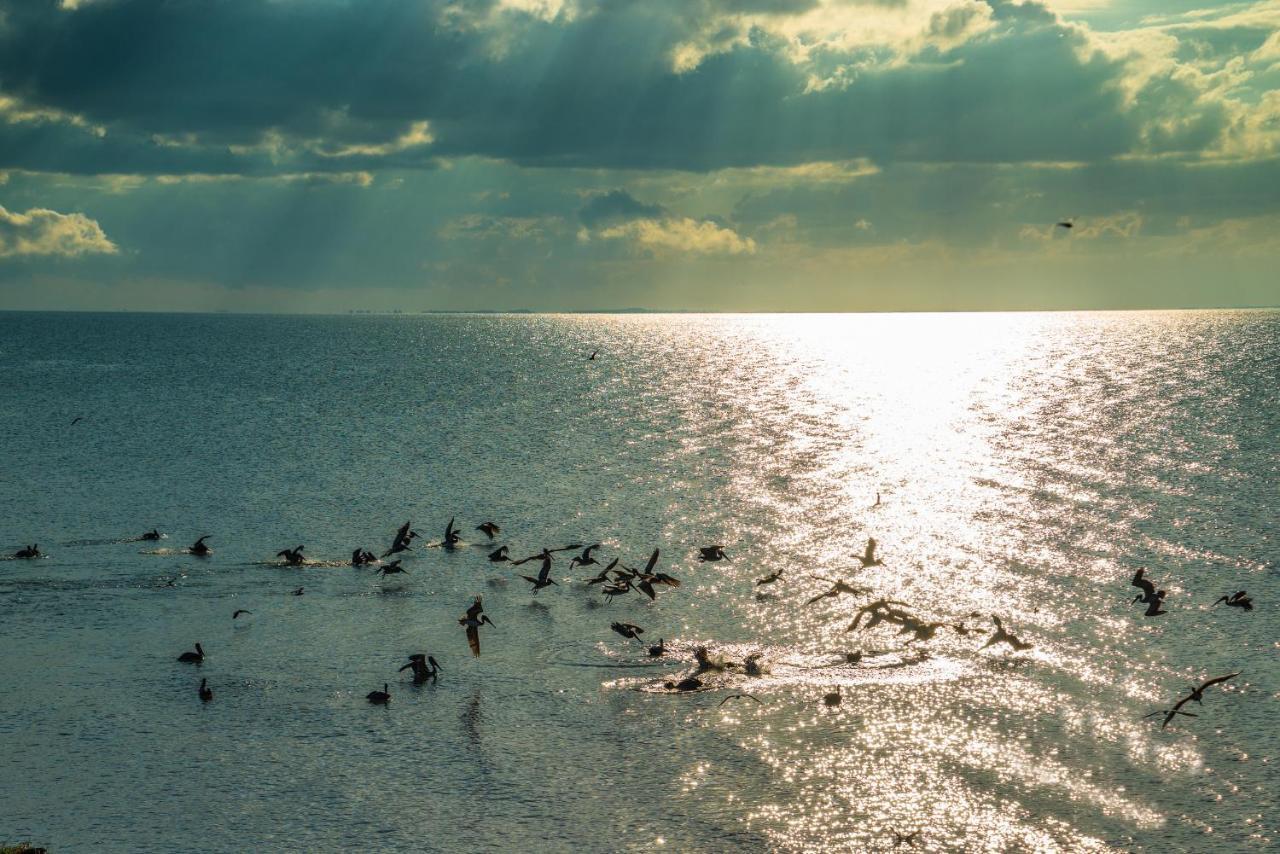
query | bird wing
[653, 561]
[1217, 680]
[473, 639]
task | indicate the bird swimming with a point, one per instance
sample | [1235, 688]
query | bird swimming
[868, 557]
[200, 548]
[361, 557]
[27, 552]
[424, 668]
[196, 657]
[1065, 223]
[293, 557]
[712, 553]
[392, 568]
[489, 528]
[689, 683]
[593, 355]
[473, 620]
[206, 693]
[298, 592]
[1003, 636]
[833, 699]
[659, 649]
[153, 534]
[1237, 600]
[379, 698]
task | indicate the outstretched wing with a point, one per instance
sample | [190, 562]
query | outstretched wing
[473, 639]
[1218, 680]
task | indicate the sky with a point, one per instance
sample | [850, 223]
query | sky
[704, 155]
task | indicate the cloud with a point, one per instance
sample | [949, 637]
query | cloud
[652, 229]
[46, 232]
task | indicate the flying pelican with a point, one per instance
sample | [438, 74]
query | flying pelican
[473, 620]
[392, 568]
[293, 557]
[1003, 636]
[659, 649]
[879, 611]
[546, 554]
[451, 537]
[627, 630]
[832, 699]
[361, 557]
[424, 668]
[237, 614]
[1197, 694]
[742, 696]
[199, 549]
[1065, 223]
[868, 557]
[837, 588]
[604, 574]
[1237, 600]
[908, 838]
[712, 553]
[153, 534]
[543, 579]
[499, 555]
[1150, 596]
[379, 698]
[769, 579]
[1169, 715]
[196, 657]
[206, 693]
[489, 528]
[585, 559]
[26, 552]
[401, 541]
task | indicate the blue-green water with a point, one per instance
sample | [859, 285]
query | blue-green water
[1027, 465]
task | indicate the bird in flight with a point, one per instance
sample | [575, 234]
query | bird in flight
[1197, 694]
[739, 697]
[1003, 636]
[1151, 597]
[1237, 600]
[392, 568]
[489, 528]
[628, 630]
[543, 579]
[585, 559]
[712, 553]
[76, 420]
[837, 588]
[293, 557]
[868, 557]
[473, 620]
[769, 579]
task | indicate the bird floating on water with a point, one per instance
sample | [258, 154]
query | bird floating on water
[206, 693]
[153, 534]
[27, 552]
[832, 699]
[451, 536]
[689, 683]
[379, 698]
[712, 553]
[297, 592]
[424, 668]
[293, 557]
[199, 548]
[196, 657]
[1237, 600]
[363, 557]
[659, 649]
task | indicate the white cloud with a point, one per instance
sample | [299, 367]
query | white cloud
[44, 232]
[682, 234]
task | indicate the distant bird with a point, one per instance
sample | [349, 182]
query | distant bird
[1237, 600]
[907, 838]
[473, 620]
[76, 420]
[585, 559]
[712, 553]
[689, 683]
[1153, 598]
[751, 665]
[451, 537]
[1169, 715]
[833, 699]
[379, 698]
[546, 554]
[769, 579]
[543, 578]
[199, 548]
[196, 657]
[604, 575]
[293, 557]
[499, 555]
[392, 568]
[489, 528]
[878, 612]
[646, 578]
[659, 649]
[153, 534]
[837, 588]
[402, 539]
[206, 693]
[593, 355]
[877, 504]
[868, 557]
[237, 614]
[1065, 223]
[1002, 636]
[424, 668]
[742, 696]
[1197, 695]
[27, 552]
[362, 557]
[297, 592]
[628, 630]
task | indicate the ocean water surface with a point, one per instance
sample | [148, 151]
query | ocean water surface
[1027, 465]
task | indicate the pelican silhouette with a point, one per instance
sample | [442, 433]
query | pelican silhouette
[543, 579]
[473, 620]
[297, 592]
[585, 559]
[196, 657]
[868, 557]
[712, 553]
[740, 696]
[293, 557]
[1065, 223]
[451, 537]
[237, 614]
[877, 504]
[769, 579]
[499, 555]
[401, 542]
[1237, 600]
[837, 588]
[628, 630]
[153, 534]
[361, 557]
[27, 552]
[206, 693]
[593, 355]
[1197, 695]
[832, 699]
[659, 649]
[424, 668]
[392, 568]
[1153, 598]
[489, 528]
[379, 698]
[908, 838]
[604, 575]
[878, 612]
[1003, 636]
[199, 548]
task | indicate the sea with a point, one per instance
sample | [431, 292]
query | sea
[1021, 466]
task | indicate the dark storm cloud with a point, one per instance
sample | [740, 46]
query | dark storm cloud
[598, 90]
